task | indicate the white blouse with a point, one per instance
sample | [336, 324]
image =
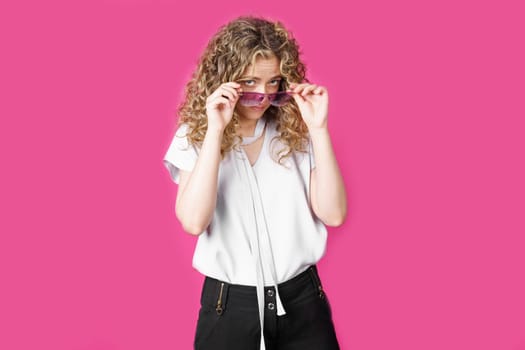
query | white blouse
[263, 231]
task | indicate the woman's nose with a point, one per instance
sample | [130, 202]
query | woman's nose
[263, 89]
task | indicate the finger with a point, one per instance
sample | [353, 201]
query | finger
[234, 92]
[300, 87]
[230, 86]
[308, 89]
[296, 89]
[218, 101]
[233, 87]
[228, 94]
[320, 90]
[298, 98]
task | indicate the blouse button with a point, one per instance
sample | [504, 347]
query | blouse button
[270, 293]
[271, 306]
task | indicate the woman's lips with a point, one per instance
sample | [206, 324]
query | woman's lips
[258, 108]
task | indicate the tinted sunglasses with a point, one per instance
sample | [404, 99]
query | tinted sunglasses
[251, 99]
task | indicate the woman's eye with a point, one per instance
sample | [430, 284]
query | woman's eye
[248, 82]
[275, 82]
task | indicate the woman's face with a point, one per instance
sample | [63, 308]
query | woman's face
[263, 77]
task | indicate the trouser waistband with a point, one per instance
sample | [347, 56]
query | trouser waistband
[220, 293]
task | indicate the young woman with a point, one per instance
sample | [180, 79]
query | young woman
[258, 183]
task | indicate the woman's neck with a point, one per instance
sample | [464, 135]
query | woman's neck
[247, 127]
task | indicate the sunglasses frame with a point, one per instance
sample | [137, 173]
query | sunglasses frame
[271, 97]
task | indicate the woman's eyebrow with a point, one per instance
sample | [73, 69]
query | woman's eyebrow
[257, 78]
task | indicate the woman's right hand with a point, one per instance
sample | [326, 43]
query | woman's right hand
[220, 105]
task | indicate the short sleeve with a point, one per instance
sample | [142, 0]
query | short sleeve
[181, 155]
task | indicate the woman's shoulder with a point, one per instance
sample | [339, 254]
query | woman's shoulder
[180, 139]
[183, 129]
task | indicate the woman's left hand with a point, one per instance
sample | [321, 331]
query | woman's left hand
[312, 101]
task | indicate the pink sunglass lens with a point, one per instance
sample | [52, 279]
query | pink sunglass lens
[251, 99]
[280, 98]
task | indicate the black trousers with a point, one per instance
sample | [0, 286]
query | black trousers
[229, 316]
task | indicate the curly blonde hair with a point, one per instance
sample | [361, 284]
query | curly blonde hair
[233, 48]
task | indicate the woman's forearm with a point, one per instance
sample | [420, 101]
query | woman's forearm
[196, 204]
[330, 194]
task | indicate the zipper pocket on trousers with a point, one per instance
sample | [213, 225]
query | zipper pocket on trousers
[219, 301]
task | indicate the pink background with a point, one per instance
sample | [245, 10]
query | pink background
[426, 114]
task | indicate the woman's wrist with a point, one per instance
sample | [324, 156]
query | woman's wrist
[318, 132]
[214, 131]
